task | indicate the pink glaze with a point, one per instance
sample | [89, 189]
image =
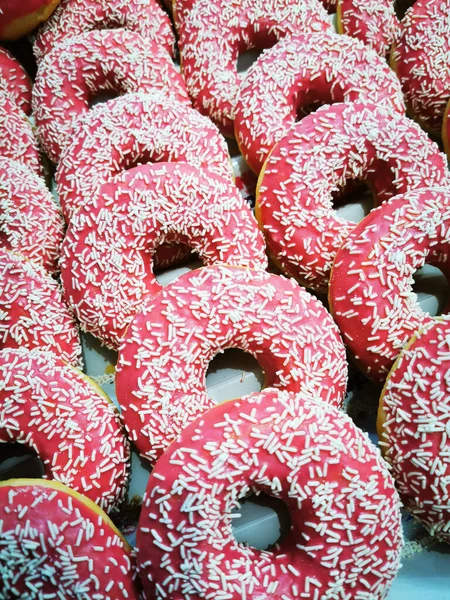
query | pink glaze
[15, 81]
[131, 130]
[76, 69]
[58, 544]
[373, 22]
[371, 285]
[30, 220]
[214, 34]
[32, 311]
[304, 70]
[345, 535]
[317, 157]
[17, 140]
[73, 17]
[420, 59]
[163, 360]
[107, 256]
[74, 429]
[416, 412]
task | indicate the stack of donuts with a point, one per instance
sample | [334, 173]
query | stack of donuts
[132, 119]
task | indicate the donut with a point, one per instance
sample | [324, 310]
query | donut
[160, 380]
[19, 18]
[73, 17]
[30, 220]
[413, 424]
[374, 23]
[346, 141]
[106, 262]
[299, 71]
[214, 34]
[73, 427]
[58, 544]
[130, 130]
[371, 284]
[16, 135]
[32, 311]
[75, 70]
[15, 81]
[419, 58]
[345, 536]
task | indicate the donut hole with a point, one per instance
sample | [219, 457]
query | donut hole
[101, 96]
[308, 101]
[233, 373]
[19, 461]
[248, 52]
[432, 289]
[165, 273]
[401, 6]
[108, 24]
[261, 521]
[354, 200]
[131, 159]
[246, 59]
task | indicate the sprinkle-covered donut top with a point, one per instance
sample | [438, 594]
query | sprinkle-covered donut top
[107, 256]
[16, 135]
[181, 9]
[58, 544]
[135, 129]
[346, 141]
[32, 311]
[371, 285]
[163, 360]
[345, 536]
[374, 23]
[73, 17]
[15, 81]
[76, 69]
[420, 59]
[414, 424]
[215, 33]
[30, 220]
[302, 70]
[71, 425]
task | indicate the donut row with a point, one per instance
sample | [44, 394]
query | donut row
[290, 441]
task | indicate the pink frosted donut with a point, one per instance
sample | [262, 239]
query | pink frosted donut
[15, 81]
[32, 311]
[318, 155]
[58, 544]
[75, 70]
[166, 351]
[420, 59]
[371, 284]
[214, 34]
[72, 426]
[73, 17]
[302, 70]
[30, 220]
[107, 256]
[16, 136]
[374, 22]
[413, 425]
[130, 130]
[345, 536]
